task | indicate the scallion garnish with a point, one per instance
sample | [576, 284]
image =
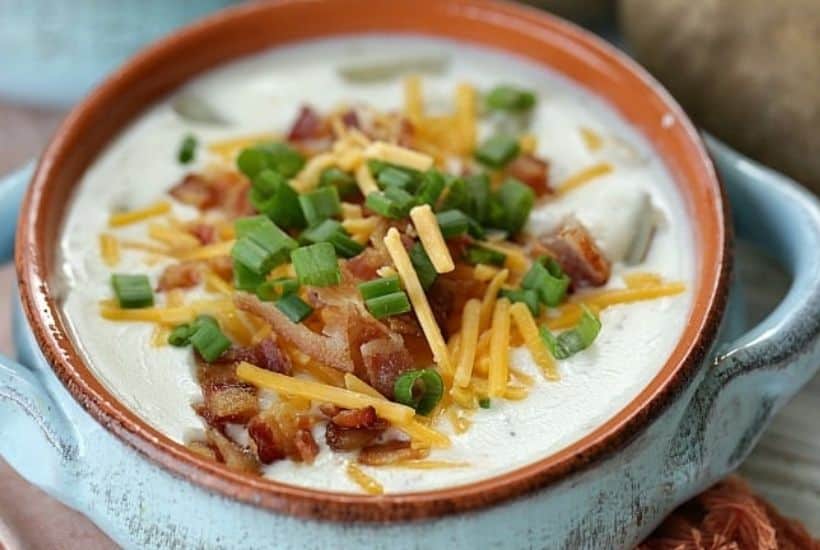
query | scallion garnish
[253, 256]
[452, 223]
[278, 157]
[484, 402]
[321, 233]
[393, 177]
[320, 204]
[517, 199]
[379, 287]
[508, 98]
[181, 335]
[527, 296]
[344, 183]
[273, 196]
[331, 231]
[208, 339]
[293, 307]
[477, 188]
[421, 389]
[245, 279]
[261, 245]
[316, 265]
[424, 267]
[477, 254]
[393, 202]
[548, 279]
[274, 289]
[572, 341]
[497, 151]
[187, 149]
[387, 305]
[132, 291]
[432, 185]
[455, 197]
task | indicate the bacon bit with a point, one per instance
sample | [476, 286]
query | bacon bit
[196, 191]
[228, 404]
[350, 439]
[407, 133]
[405, 324]
[265, 355]
[222, 266]
[364, 266]
[384, 360]
[308, 126]
[232, 455]
[575, 250]
[441, 297]
[204, 232]
[356, 418]
[329, 409]
[350, 119]
[181, 275]
[532, 171]
[202, 449]
[267, 436]
[391, 452]
[331, 351]
[306, 446]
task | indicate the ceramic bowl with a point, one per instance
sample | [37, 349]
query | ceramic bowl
[693, 422]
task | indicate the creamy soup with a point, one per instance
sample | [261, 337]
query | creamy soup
[602, 178]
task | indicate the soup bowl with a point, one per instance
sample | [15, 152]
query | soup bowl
[694, 422]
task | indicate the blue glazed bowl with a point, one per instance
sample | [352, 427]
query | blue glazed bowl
[610, 497]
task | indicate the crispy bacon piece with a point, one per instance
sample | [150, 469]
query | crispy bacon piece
[533, 171]
[405, 324]
[390, 453]
[195, 190]
[329, 409]
[306, 446]
[575, 250]
[267, 436]
[364, 266]
[205, 233]
[384, 359]
[342, 439]
[225, 397]
[350, 119]
[232, 455]
[203, 449]
[222, 266]
[356, 418]
[331, 351]
[181, 275]
[265, 355]
[308, 125]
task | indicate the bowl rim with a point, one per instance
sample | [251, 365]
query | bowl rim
[512, 24]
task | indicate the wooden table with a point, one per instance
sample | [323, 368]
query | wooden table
[785, 466]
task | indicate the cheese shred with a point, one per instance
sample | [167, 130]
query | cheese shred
[127, 218]
[525, 324]
[367, 483]
[585, 176]
[431, 238]
[499, 349]
[467, 343]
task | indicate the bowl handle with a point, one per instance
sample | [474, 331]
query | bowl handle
[40, 441]
[754, 375]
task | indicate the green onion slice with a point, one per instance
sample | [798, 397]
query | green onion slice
[452, 223]
[388, 305]
[528, 297]
[572, 341]
[497, 151]
[424, 267]
[187, 149]
[132, 291]
[316, 265]
[278, 157]
[294, 307]
[484, 402]
[208, 339]
[509, 98]
[344, 183]
[320, 204]
[431, 187]
[477, 254]
[273, 196]
[181, 335]
[421, 389]
[379, 287]
[245, 279]
[517, 200]
[274, 289]
[548, 279]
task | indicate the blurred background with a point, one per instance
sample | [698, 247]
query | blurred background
[746, 71]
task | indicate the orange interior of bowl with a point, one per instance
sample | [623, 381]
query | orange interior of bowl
[258, 26]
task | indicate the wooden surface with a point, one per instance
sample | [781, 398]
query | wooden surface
[785, 466]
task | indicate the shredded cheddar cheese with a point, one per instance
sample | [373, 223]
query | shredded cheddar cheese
[592, 139]
[432, 332]
[365, 181]
[470, 320]
[401, 156]
[109, 249]
[465, 117]
[229, 148]
[164, 315]
[175, 238]
[585, 176]
[431, 238]
[308, 177]
[127, 218]
[526, 326]
[208, 251]
[367, 483]
[490, 295]
[413, 99]
[499, 349]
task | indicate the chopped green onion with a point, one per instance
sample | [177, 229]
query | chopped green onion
[456, 197]
[203, 320]
[379, 287]
[278, 157]
[477, 254]
[474, 229]
[403, 200]
[508, 98]
[344, 183]
[424, 267]
[253, 256]
[132, 291]
[261, 245]
[452, 223]
[187, 149]
[208, 339]
[251, 161]
[181, 335]
[421, 389]
[524, 295]
[274, 289]
[320, 204]
[393, 177]
[376, 166]
[293, 307]
[546, 277]
[243, 226]
[387, 305]
[517, 200]
[477, 187]
[497, 151]
[316, 265]
[393, 202]
[331, 231]
[432, 185]
[245, 279]
[484, 402]
[273, 196]
[572, 341]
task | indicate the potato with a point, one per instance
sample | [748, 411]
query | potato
[747, 71]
